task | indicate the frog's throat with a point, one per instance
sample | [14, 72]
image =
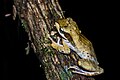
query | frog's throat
[77, 70]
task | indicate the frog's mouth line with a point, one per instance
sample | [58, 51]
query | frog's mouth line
[77, 70]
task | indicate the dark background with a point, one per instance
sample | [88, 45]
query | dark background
[96, 20]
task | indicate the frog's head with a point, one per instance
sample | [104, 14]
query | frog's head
[68, 25]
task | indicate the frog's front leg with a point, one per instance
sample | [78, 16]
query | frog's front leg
[63, 48]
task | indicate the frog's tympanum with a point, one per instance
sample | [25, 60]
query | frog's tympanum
[72, 40]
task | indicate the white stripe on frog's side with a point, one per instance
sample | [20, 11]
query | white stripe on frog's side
[70, 45]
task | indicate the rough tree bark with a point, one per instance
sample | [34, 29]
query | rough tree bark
[38, 18]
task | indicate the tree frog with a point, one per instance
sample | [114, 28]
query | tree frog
[72, 39]
[82, 46]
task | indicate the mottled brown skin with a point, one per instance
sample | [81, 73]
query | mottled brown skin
[83, 47]
[80, 41]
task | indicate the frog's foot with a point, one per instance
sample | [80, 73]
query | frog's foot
[77, 70]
